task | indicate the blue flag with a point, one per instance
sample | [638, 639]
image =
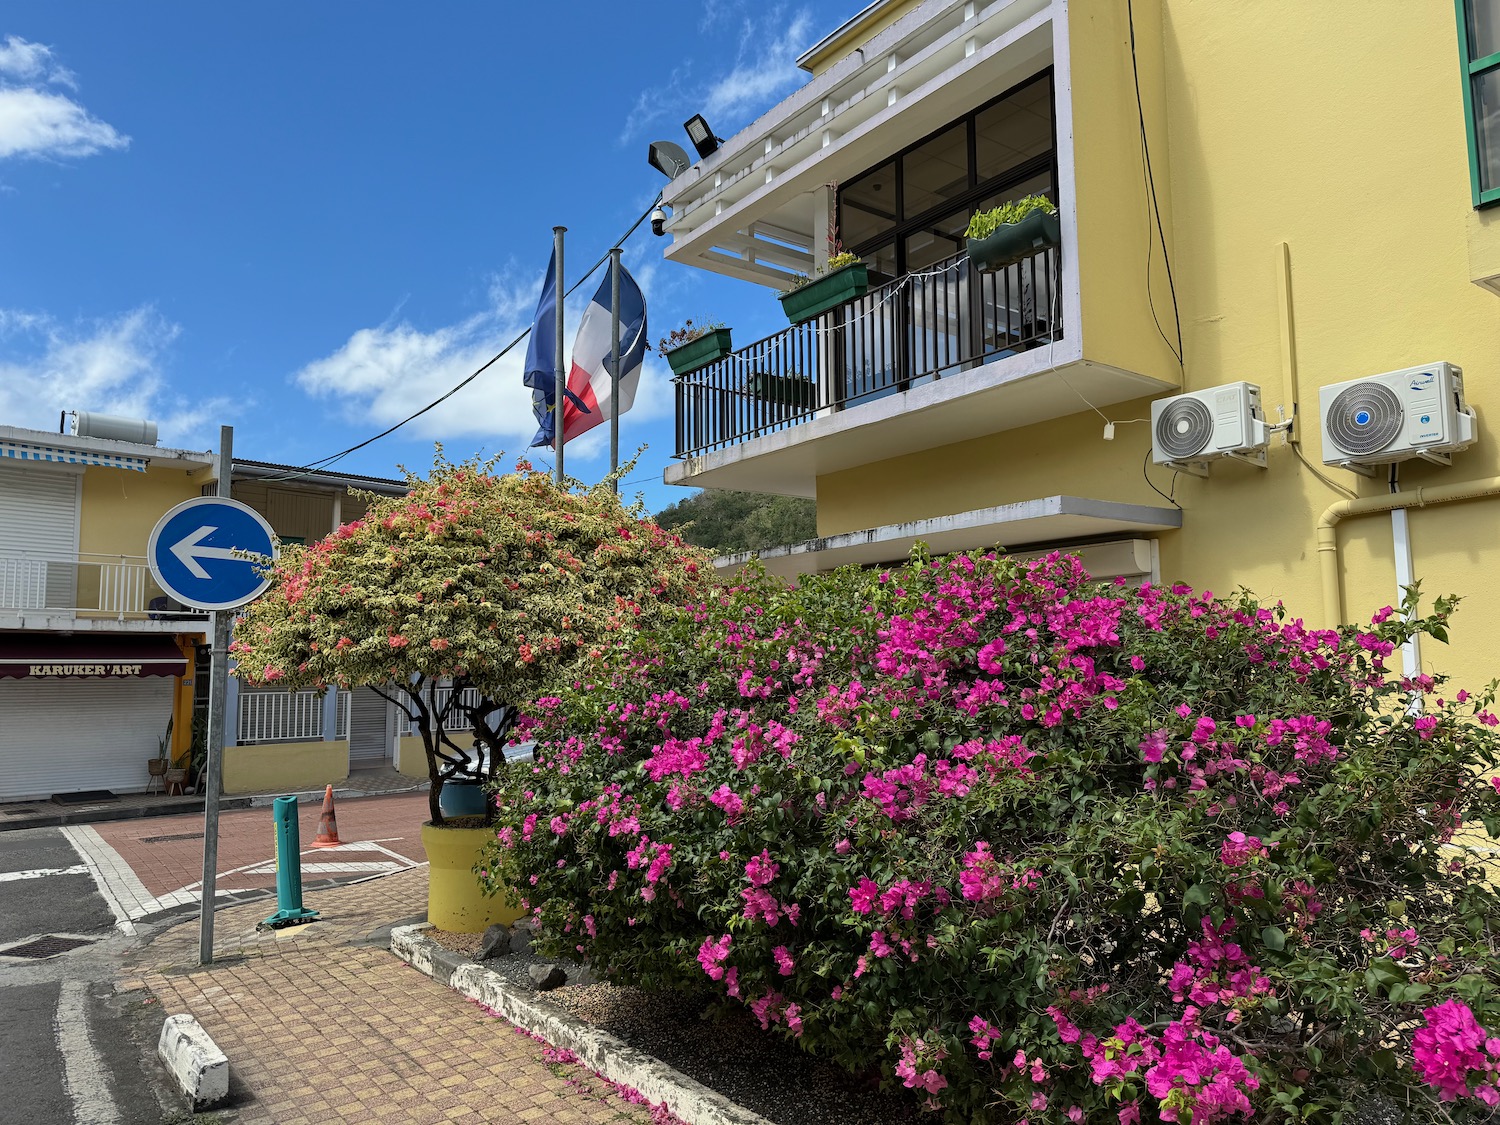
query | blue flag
[541, 358]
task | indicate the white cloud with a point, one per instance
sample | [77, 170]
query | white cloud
[112, 366]
[383, 374]
[765, 67]
[40, 122]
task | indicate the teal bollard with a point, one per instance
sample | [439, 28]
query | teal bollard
[288, 867]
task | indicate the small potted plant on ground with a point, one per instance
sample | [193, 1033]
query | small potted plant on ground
[694, 345]
[157, 767]
[1012, 231]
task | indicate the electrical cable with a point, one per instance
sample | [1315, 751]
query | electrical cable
[1333, 484]
[323, 463]
[1146, 461]
[1177, 352]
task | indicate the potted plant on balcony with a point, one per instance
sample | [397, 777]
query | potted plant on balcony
[694, 345]
[1012, 231]
[845, 278]
[500, 589]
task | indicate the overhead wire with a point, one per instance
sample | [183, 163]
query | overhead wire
[1177, 352]
[323, 463]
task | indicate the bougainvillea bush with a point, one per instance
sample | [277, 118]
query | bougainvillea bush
[1040, 849]
[466, 599]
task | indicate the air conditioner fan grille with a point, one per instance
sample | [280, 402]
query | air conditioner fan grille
[1365, 418]
[1184, 429]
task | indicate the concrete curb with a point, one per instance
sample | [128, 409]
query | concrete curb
[601, 1052]
[315, 796]
[195, 1062]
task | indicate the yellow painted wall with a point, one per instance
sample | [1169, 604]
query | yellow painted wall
[861, 32]
[290, 766]
[1338, 130]
[1116, 224]
[120, 508]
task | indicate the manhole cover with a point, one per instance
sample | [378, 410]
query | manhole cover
[170, 839]
[41, 948]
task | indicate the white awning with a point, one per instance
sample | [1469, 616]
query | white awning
[25, 451]
[1052, 519]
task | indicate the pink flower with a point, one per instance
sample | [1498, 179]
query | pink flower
[1453, 1051]
[784, 963]
[862, 898]
[760, 870]
[711, 955]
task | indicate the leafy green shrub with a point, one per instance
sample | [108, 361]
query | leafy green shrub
[985, 223]
[1038, 848]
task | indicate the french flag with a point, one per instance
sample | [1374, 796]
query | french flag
[589, 375]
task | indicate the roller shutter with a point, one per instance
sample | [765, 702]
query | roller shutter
[65, 736]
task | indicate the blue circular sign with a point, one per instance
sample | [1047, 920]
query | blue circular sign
[1361, 417]
[198, 553]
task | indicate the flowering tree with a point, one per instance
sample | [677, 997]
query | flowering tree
[506, 585]
[1047, 850]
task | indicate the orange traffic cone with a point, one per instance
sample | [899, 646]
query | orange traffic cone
[328, 825]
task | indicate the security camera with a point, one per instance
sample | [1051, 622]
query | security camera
[659, 221]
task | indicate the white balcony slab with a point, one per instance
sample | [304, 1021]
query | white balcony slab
[1005, 394]
[1049, 519]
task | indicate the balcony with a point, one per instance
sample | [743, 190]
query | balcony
[81, 592]
[907, 129]
[908, 333]
[268, 716]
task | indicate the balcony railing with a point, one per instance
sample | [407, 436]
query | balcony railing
[936, 324]
[118, 586]
[287, 716]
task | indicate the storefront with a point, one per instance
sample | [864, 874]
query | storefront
[83, 712]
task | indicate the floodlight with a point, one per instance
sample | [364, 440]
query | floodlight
[701, 135]
[668, 159]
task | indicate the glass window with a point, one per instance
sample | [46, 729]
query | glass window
[867, 206]
[1479, 46]
[935, 172]
[936, 241]
[1486, 97]
[1483, 18]
[1013, 131]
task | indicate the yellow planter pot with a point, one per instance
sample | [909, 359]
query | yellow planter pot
[455, 901]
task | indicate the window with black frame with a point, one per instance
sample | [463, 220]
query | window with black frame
[906, 218]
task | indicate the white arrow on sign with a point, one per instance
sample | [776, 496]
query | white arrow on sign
[188, 552]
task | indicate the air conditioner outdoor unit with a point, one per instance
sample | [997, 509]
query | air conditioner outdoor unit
[1199, 426]
[1416, 412]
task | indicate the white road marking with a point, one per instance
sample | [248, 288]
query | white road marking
[42, 873]
[324, 868]
[83, 1070]
[121, 888]
[147, 904]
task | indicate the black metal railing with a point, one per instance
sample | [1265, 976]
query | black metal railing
[929, 325]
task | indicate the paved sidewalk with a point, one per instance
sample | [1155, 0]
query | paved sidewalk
[133, 806]
[322, 1023]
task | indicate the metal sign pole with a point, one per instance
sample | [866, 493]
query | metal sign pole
[614, 365]
[218, 684]
[560, 373]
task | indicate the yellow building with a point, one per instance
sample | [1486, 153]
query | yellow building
[1261, 207]
[95, 658]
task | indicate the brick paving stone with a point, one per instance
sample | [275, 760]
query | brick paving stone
[321, 1026]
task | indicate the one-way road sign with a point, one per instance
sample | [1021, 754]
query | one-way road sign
[198, 552]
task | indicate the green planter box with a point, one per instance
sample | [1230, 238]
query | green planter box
[1011, 242]
[827, 292]
[787, 390]
[701, 352]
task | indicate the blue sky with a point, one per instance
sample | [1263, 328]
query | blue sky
[308, 220]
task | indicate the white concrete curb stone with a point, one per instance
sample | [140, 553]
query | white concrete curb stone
[601, 1052]
[200, 1068]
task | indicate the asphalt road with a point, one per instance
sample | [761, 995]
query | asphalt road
[71, 1050]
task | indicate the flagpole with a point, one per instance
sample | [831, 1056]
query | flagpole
[614, 367]
[560, 375]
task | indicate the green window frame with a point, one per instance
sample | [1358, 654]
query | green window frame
[1471, 70]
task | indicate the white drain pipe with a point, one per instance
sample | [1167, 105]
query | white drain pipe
[1396, 503]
